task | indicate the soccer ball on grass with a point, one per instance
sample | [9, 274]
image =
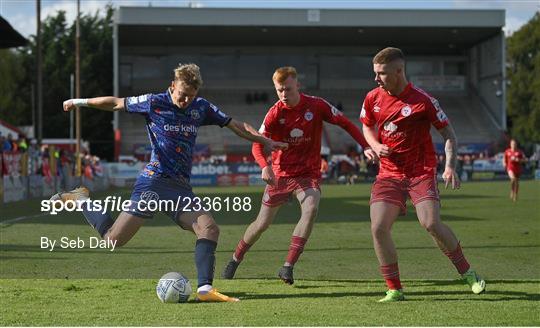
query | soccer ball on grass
[173, 287]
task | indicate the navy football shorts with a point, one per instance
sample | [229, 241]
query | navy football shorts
[159, 194]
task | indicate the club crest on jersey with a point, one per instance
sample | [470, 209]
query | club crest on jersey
[390, 127]
[149, 195]
[376, 109]
[308, 116]
[406, 111]
[296, 133]
[195, 114]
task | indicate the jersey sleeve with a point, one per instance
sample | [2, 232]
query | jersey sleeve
[366, 114]
[329, 112]
[266, 129]
[214, 116]
[334, 116]
[436, 115]
[268, 124]
[138, 104]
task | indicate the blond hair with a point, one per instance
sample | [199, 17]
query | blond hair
[190, 74]
[281, 74]
[388, 55]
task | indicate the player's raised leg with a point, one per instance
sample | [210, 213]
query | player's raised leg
[428, 212]
[309, 204]
[251, 235]
[383, 215]
[119, 232]
[207, 232]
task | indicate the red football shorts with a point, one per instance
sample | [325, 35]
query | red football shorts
[515, 170]
[283, 189]
[396, 190]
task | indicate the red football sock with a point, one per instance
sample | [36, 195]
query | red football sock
[458, 259]
[295, 249]
[390, 273]
[241, 250]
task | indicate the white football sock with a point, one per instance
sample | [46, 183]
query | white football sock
[204, 289]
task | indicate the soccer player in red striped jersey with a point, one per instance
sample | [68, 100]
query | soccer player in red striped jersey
[513, 157]
[397, 117]
[296, 119]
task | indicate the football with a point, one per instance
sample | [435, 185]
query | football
[173, 287]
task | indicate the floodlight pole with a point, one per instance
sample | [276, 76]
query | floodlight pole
[71, 114]
[39, 74]
[78, 92]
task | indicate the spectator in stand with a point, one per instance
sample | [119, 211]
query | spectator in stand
[34, 158]
[96, 167]
[8, 146]
[23, 145]
[362, 167]
[14, 144]
[324, 168]
[2, 139]
[45, 165]
[87, 169]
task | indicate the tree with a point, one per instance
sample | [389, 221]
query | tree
[13, 100]
[58, 39]
[523, 97]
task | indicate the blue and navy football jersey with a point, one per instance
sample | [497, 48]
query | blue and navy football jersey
[172, 132]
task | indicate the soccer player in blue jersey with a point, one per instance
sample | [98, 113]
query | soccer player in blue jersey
[172, 120]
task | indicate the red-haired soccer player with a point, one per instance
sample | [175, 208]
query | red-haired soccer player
[397, 118]
[513, 157]
[297, 119]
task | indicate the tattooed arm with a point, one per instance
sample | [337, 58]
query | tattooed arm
[450, 148]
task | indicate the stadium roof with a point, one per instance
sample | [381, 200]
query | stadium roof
[9, 37]
[451, 30]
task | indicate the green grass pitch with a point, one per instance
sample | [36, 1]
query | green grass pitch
[337, 279]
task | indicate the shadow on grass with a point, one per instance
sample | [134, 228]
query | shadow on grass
[140, 250]
[494, 296]
[250, 296]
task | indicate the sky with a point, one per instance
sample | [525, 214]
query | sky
[21, 14]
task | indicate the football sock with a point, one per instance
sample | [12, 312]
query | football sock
[205, 260]
[390, 274]
[100, 221]
[241, 250]
[458, 259]
[295, 249]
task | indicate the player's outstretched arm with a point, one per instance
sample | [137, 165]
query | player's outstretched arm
[104, 103]
[450, 148]
[246, 131]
